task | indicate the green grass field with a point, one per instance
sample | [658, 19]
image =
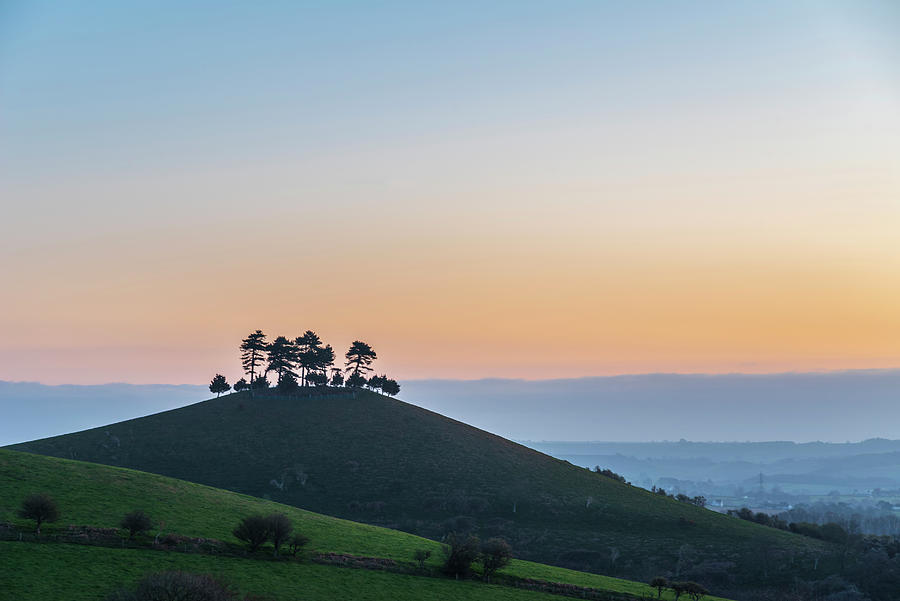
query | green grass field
[99, 495]
[378, 460]
[41, 572]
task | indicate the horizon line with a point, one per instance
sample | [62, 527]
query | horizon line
[822, 372]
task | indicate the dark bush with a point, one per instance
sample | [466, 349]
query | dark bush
[659, 583]
[773, 521]
[495, 555]
[317, 378]
[253, 530]
[355, 380]
[459, 553]
[136, 522]
[421, 556]
[610, 474]
[287, 383]
[695, 591]
[390, 387]
[833, 533]
[296, 543]
[279, 528]
[40, 508]
[691, 589]
[806, 529]
[176, 586]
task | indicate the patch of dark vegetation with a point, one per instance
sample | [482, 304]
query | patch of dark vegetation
[355, 561]
[460, 551]
[256, 530]
[39, 507]
[177, 586]
[421, 556]
[699, 500]
[495, 554]
[829, 531]
[136, 522]
[253, 530]
[610, 474]
[296, 543]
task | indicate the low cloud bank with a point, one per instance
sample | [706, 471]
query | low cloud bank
[831, 406]
[29, 410]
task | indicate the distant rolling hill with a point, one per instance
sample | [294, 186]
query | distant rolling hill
[370, 458]
[869, 464]
[98, 496]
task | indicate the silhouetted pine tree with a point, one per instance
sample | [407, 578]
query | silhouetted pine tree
[282, 356]
[308, 346]
[219, 385]
[390, 387]
[360, 357]
[253, 349]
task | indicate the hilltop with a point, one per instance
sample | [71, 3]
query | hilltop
[362, 456]
[98, 495]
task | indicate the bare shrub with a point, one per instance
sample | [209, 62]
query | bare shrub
[136, 522]
[459, 553]
[296, 543]
[176, 586]
[279, 529]
[40, 508]
[253, 530]
[495, 555]
[421, 556]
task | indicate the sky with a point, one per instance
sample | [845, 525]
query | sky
[507, 189]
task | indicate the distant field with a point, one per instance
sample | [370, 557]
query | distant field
[98, 495]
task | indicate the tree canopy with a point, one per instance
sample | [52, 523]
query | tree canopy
[304, 360]
[360, 357]
[253, 349]
[282, 357]
[39, 507]
[219, 385]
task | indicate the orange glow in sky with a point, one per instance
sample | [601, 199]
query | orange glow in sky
[470, 204]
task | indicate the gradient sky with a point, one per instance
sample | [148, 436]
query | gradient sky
[547, 189]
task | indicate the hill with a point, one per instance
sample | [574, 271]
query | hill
[717, 468]
[374, 459]
[98, 495]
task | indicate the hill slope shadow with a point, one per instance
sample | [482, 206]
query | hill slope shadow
[370, 458]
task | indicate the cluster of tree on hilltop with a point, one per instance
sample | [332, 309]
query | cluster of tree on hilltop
[303, 361]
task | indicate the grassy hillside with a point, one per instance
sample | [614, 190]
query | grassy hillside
[98, 495]
[91, 573]
[370, 458]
